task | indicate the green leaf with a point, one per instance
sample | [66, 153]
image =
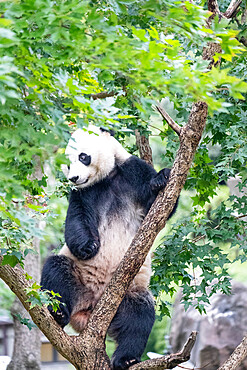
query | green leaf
[140, 34]
[153, 33]
[11, 260]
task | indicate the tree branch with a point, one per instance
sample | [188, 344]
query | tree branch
[232, 8]
[169, 361]
[89, 345]
[209, 52]
[76, 349]
[169, 120]
[213, 7]
[144, 148]
[190, 136]
[236, 357]
[103, 95]
[14, 277]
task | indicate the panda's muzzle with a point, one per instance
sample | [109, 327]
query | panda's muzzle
[74, 179]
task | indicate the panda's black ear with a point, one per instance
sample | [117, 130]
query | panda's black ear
[110, 131]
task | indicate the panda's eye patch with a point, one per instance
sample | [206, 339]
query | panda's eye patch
[68, 167]
[85, 159]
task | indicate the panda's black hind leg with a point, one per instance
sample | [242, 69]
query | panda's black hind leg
[57, 275]
[131, 327]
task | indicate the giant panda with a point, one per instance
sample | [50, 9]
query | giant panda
[113, 191]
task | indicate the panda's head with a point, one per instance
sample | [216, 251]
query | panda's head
[93, 154]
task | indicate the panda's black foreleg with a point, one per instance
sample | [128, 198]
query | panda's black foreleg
[131, 327]
[57, 276]
[159, 182]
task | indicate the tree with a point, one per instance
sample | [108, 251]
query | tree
[27, 338]
[109, 63]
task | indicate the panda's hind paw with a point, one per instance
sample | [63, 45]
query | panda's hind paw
[61, 316]
[124, 363]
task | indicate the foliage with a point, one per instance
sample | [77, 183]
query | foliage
[199, 241]
[24, 321]
[194, 257]
[55, 57]
[43, 297]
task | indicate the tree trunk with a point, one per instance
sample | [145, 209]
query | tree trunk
[27, 343]
[26, 353]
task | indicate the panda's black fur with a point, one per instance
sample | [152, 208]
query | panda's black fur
[101, 221]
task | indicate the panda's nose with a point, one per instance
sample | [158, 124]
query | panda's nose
[74, 179]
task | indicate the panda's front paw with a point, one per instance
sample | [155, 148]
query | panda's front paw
[61, 316]
[88, 251]
[123, 363]
[160, 180]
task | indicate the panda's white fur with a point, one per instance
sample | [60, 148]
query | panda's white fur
[103, 148]
[97, 271]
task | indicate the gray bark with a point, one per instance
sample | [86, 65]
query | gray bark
[26, 353]
[27, 343]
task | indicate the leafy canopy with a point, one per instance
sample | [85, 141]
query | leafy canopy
[55, 57]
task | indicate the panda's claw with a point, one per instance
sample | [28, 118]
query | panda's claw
[160, 180]
[124, 362]
[88, 251]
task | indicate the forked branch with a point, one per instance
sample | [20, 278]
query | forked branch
[229, 13]
[169, 361]
[232, 8]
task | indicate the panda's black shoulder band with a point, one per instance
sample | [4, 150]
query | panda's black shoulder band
[110, 131]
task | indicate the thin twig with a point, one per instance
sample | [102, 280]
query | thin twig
[169, 120]
[169, 361]
[195, 240]
[156, 128]
[103, 95]
[241, 216]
